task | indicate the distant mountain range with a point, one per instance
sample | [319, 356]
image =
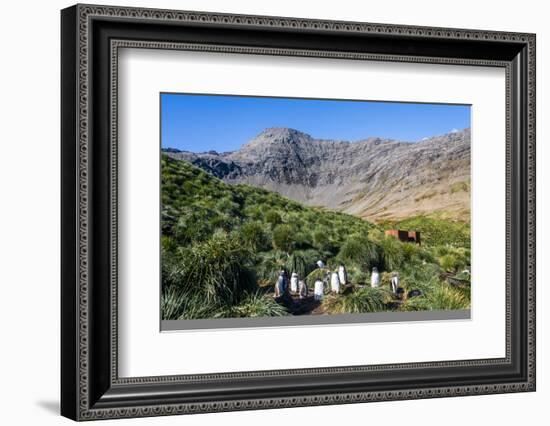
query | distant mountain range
[374, 178]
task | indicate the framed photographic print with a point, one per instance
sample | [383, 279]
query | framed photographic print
[280, 229]
[263, 212]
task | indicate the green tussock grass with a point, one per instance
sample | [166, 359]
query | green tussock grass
[224, 245]
[363, 300]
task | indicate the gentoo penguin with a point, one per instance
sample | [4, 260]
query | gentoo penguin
[375, 277]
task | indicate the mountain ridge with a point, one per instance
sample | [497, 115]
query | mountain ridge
[374, 178]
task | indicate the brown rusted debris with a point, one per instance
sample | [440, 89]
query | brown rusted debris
[405, 236]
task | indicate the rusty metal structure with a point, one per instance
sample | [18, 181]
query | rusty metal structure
[405, 236]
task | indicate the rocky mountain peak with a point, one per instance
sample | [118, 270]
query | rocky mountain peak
[277, 136]
[374, 178]
[283, 133]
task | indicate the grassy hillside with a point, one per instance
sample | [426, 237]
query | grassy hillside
[223, 246]
[435, 230]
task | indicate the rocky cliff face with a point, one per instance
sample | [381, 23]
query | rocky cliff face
[373, 178]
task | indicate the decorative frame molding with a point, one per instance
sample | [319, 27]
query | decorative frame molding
[91, 37]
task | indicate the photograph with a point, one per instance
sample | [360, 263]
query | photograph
[276, 207]
[266, 208]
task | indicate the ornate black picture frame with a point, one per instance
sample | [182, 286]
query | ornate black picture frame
[90, 38]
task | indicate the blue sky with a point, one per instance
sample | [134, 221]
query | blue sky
[201, 123]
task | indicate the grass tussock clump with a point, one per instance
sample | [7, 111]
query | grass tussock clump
[258, 304]
[444, 297]
[206, 277]
[363, 300]
[360, 250]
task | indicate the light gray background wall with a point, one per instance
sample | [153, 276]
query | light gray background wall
[29, 212]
